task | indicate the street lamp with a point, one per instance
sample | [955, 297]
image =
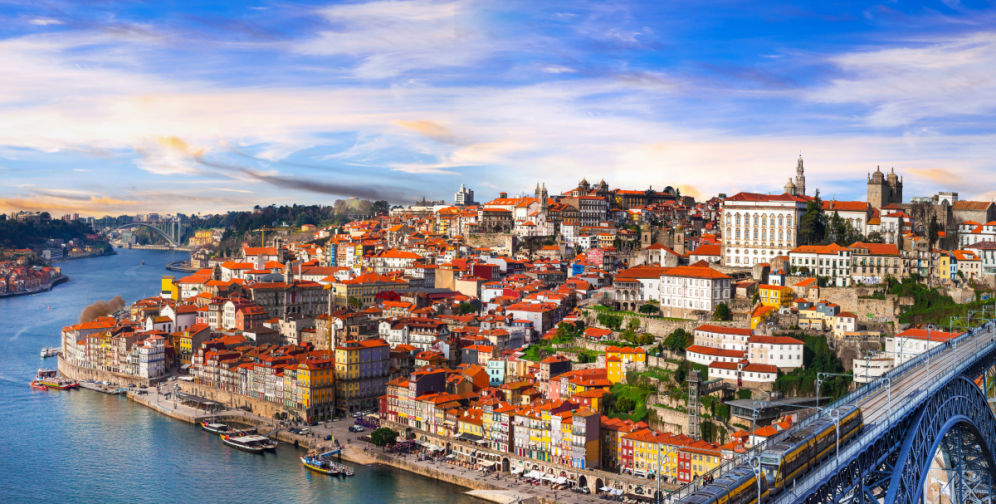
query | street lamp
[820, 378]
[755, 464]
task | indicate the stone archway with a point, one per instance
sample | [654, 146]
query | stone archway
[583, 482]
[598, 485]
[504, 464]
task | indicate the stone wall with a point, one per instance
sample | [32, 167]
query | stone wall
[505, 241]
[852, 299]
[257, 406]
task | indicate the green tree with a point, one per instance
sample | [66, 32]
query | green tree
[383, 436]
[609, 320]
[380, 207]
[678, 340]
[812, 224]
[649, 309]
[464, 308]
[354, 302]
[722, 312]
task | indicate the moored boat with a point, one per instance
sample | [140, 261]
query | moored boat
[50, 378]
[47, 352]
[322, 463]
[38, 386]
[215, 428]
[250, 443]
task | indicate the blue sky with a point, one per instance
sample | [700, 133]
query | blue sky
[125, 107]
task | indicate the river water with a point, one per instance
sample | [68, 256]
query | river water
[83, 446]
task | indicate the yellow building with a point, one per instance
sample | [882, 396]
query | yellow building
[361, 370]
[775, 295]
[169, 287]
[619, 359]
[614, 369]
[471, 423]
[315, 380]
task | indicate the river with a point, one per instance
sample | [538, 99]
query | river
[83, 447]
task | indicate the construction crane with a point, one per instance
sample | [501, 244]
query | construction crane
[262, 233]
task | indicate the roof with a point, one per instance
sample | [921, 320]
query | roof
[743, 331]
[761, 198]
[708, 250]
[695, 272]
[924, 334]
[889, 249]
[715, 352]
[644, 272]
[832, 248]
[774, 340]
[970, 205]
[846, 206]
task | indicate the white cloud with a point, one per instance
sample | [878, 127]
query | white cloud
[43, 21]
[393, 37]
[925, 79]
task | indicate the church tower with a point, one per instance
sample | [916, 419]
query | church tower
[800, 178]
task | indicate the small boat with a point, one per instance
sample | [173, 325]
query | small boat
[322, 463]
[38, 386]
[50, 378]
[251, 443]
[47, 352]
[215, 428]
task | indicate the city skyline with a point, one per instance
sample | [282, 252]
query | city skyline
[132, 108]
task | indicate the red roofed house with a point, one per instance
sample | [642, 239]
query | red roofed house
[747, 220]
[688, 289]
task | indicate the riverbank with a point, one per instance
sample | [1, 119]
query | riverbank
[43, 288]
[491, 487]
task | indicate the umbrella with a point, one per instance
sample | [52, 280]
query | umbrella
[561, 480]
[605, 489]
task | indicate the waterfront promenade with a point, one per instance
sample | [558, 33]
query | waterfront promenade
[493, 485]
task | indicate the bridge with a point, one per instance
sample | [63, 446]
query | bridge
[933, 409]
[172, 230]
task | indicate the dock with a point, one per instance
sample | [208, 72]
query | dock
[103, 389]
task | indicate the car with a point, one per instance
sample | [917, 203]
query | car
[305, 430]
[356, 428]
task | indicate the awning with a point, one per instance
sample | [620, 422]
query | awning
[549, 477]
[605, 489]
[516, 470]
[451, 456]
[486, 463]
[560, 481]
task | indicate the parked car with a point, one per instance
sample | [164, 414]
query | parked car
[356, 428]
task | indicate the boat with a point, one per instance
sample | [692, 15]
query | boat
[38, 386]
[251, 443]
[322, 463]
[215, 428]
[50, 378]
[47, 352]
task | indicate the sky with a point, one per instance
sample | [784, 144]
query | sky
[199, 107]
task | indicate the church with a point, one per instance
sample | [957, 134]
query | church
[797, 187]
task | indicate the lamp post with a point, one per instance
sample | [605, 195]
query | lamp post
[835, 415]
[755, 464]
[820, 378]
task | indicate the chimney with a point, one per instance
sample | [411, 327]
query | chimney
[503, 195]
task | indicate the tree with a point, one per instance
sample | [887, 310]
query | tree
[383, 436]
[632, 324]
[678, 340]
[354, 302]
[380, 207]
[649, 309]
[465, 308]
[812, 224]
[722, 312]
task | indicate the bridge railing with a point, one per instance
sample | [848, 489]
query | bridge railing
[945, 374]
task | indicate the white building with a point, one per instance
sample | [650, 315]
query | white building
[464, 196]
[742, 372]
[685, 289]
[707, 355]
[758, 227]
[152, 357]
[722, 337]
[831, 261]
[912, 342]
[971, 232]
[779, 351]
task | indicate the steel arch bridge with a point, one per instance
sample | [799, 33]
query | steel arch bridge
[171, 230]
[928, 412]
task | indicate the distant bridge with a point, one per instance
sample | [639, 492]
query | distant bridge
[171, 230]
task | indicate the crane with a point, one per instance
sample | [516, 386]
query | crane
[262, 233]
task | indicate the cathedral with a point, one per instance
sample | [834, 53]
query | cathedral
[884, 190]
[798, 187]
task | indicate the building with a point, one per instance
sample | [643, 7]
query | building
[829, 261]
[884, 190]
[760, 227]
[686, 289]
[798, 186]
[464, 196]
[871, 263]
[361, 372]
